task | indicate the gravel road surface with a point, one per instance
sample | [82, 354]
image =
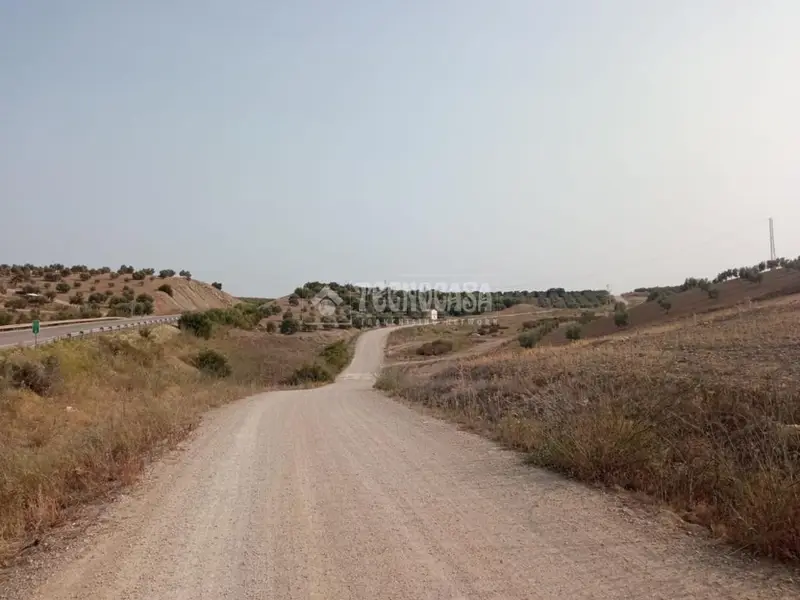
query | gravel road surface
[340, 493]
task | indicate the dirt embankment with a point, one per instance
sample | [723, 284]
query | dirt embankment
[171, 295]
[190, 295]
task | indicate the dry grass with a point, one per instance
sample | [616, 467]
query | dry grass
[104, 405]
[703, 417]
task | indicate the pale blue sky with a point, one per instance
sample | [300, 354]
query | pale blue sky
[520, 143]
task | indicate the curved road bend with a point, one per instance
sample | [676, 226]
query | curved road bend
[339, 493]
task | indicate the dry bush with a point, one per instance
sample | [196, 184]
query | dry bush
[705, 417]
[435, 348]
[79, 418]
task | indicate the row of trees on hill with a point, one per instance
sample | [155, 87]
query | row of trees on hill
[753, 274]
[57, 271]
[552, 298]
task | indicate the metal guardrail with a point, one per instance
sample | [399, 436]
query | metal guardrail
[23, 326]
[107, 329]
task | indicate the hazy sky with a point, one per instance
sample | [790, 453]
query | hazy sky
[519, 143]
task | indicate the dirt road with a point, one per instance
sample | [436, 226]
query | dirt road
[340, 493]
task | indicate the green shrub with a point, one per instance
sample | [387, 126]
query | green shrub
[713, 293]
[120, 310]
[76, 284]
[145, 298]
[97, 298]
[50, 295]
[143, 308]
[289, 326]
[490, 329]
[164, 273]
[435, 348]
[271, 327]
[213, 363]
[17, 303]
[6, 318]
[139, 275]
[85, 276]
[62, 287]
[166, 288]
[38, 377]
[529, 338]
[336, 355]
[573, 332]
[754, 276]
[217, 285]
[310, 373]
[665, 303]
[621, 318]
[90, 312]
[242, 316]
[76, 298]
[197, 323]
[24, 317]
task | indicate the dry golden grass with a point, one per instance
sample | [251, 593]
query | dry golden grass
[104, 405]
[703, 417]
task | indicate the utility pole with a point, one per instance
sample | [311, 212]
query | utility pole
[772, 255]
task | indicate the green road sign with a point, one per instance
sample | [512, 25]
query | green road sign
[36, 327]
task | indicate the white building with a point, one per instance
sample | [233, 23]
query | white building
[431, 314]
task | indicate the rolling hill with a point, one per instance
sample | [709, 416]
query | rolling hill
[56, 292]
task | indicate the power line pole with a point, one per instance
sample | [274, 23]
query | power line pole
[772, 255]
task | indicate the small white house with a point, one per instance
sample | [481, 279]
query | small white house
[431, 314]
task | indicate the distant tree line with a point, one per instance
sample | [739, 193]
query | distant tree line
[56, 272]
[364, 306]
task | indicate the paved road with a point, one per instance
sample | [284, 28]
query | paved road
[340, 493]
[24, 336]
